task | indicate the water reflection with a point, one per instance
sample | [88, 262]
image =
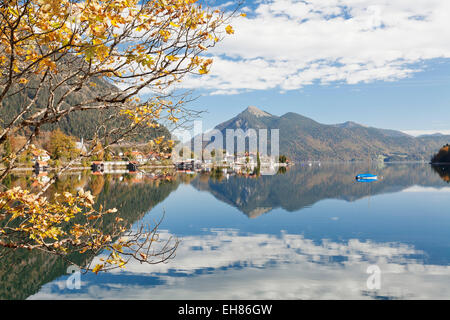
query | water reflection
[22, 273]
[225, 264]
[302, 186]
[322, 254]
[443, 171]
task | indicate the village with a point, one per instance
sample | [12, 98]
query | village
[246, 163]
[58, 150]
[131, 160]
[123, 162]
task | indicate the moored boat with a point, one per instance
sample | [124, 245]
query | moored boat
[366, 176]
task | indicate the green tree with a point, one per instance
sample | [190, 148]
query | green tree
[282, 159]
[7, 148]
[443, 156]
[62, 146]
[98, 153]
[108, 155]
[257, 170]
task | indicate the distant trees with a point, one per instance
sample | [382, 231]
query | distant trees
[164, 146]
[11, 146]
[98, 152]
[7, 149]
[217, 155]
[443, 156]
[108, 155]
[257, 170]
[186, 153]
[62, 146]
[282, 159]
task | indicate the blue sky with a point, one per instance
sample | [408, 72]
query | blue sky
[376, 62]
[420, 103]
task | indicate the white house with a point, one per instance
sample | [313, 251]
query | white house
[40, 155]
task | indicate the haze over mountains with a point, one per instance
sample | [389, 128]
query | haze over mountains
[303, 139]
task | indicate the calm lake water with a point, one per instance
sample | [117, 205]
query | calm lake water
[310, 233]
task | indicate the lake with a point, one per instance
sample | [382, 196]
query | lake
[312, 232]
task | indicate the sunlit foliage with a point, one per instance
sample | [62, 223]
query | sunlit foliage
[55, 48]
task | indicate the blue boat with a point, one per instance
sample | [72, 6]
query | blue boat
[366, 177]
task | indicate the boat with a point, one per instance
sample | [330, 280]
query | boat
[366, 177]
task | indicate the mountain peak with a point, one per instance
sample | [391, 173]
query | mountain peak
[303, 139]
[257, 112]
[349, 124]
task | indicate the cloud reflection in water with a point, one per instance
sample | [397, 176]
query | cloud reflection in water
[226, 264]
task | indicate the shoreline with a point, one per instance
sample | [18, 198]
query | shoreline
[80, 168]
[88, 168]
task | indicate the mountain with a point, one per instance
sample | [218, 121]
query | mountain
[387, 132]
[431, 135]
[303, 186]
[251, 117]
[79, 124]
[443, 156]
[302, 138]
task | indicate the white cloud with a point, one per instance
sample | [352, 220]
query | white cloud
[287, 44]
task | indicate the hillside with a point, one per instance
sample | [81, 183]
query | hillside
[303, 186]
[302, 138]
[443, 156]
[79, 124]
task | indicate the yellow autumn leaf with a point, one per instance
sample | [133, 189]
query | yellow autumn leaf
[159, 140]
[114, 23]
[229, 29]
[172, 58]
[97, 268]
[203, 70]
